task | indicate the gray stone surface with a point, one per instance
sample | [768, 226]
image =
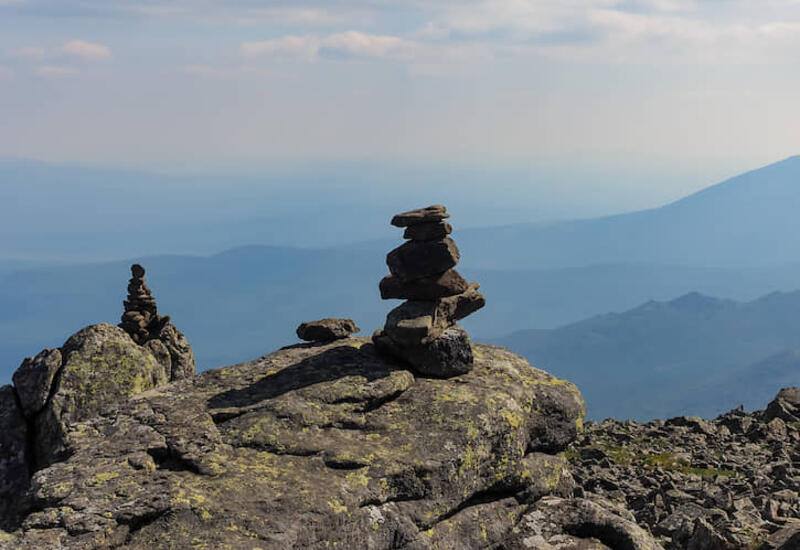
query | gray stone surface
[34, 378]
[429, 231]
[13, 456]
[415, 260]
[430, 288]
[429, 214]
[326, 330]
[312, 447]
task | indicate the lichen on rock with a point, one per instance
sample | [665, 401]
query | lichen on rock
[316, 446]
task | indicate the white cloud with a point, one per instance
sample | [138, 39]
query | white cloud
[30, 52]
[346, 45]
[304, 47]
[353, 44]
[5, 73]
[53, 71]
[87, 50]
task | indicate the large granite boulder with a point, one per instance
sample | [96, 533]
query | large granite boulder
[96, 369]
[327, 446]
[101, 366]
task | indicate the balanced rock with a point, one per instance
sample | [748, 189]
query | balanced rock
[437, 286]
[417, 259]
[326, 330]
[422, 330]
[448, 354]
[428, 231]
[429, 214]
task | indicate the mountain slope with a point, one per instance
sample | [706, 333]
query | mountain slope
[749, 220]
[232, 303]
[646, 362]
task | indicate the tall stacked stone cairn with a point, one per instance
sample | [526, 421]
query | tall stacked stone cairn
[422, 331]
[141, 319]
[153, 331]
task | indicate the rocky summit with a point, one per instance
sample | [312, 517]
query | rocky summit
[724, 484]
[327, 446]
[423, 331]
[94, 370]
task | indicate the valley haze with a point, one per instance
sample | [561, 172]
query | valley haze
[730, 241]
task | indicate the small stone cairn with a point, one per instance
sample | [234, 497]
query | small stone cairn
[153, 331]
[141, 319]
[422, 330]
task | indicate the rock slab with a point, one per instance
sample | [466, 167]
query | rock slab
[330, 446]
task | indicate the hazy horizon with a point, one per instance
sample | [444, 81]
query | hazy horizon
[605, 105]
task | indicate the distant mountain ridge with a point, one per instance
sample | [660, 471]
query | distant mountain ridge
[670, 358]
[748, 220]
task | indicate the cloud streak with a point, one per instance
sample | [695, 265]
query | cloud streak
[86, 50]
[54, 71]
[346, 45]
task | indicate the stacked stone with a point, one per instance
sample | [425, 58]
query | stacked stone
[423, 331]
[141, 319]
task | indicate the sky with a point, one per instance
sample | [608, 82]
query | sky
[687, 91]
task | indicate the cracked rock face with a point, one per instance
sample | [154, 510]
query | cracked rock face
[54, 392]
[322, 446]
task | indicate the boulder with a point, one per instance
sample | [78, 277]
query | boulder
[429, 214]
[101, 366]
[430, 288]
[785, 406]
[182, 363]
[415, 260]
[326, 330]
[34, 379]
[312, 447]
[447, 354]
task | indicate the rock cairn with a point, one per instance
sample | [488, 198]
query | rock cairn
[141, 319]
[326, 330]
[422, 330]
[153, 331]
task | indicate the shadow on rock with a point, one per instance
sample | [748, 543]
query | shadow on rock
[331, 365]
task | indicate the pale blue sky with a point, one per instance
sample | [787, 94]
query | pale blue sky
[707, 87]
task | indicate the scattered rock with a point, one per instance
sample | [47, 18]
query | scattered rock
[422, 330]
[726, 483]
[785, 406]
[326, 330]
